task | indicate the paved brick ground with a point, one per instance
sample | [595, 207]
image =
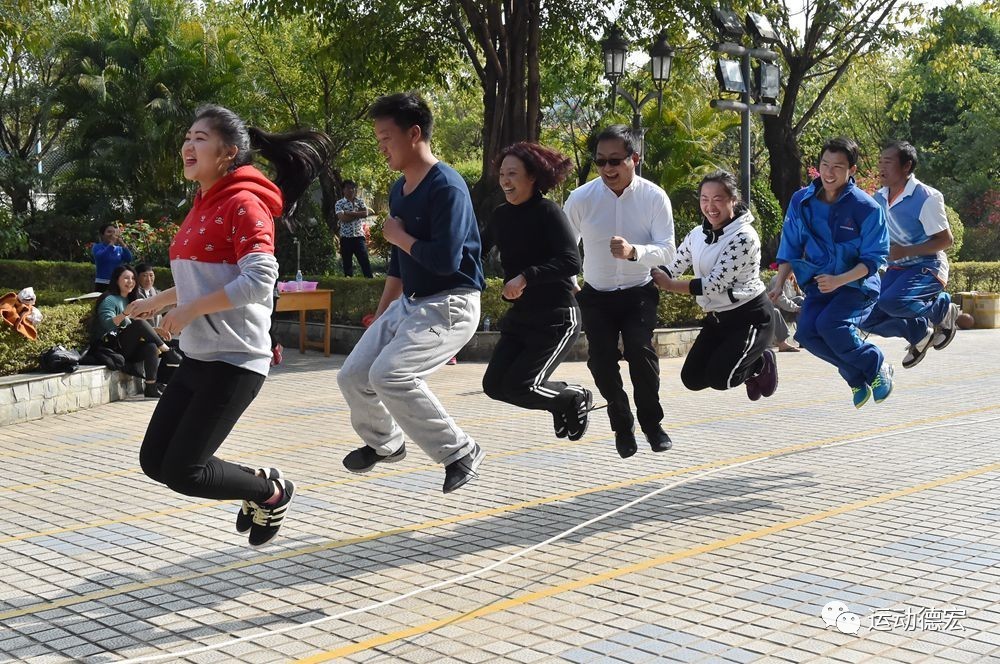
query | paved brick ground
[761, 519]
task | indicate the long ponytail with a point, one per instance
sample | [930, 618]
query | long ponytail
[298, 156]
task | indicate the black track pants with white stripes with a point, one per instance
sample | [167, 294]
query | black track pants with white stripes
[729, 347]
[532, 344]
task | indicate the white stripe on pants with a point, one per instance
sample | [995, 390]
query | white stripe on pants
[382, 379]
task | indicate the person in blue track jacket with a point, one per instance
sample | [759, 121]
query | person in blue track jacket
[835, 240]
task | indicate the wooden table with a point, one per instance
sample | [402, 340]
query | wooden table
[303, 301]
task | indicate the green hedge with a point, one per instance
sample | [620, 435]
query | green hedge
[974, 276]
[63, 324]
[55, 280]
[354, 297]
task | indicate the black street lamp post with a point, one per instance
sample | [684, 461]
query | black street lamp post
[615, 51]
[735, 77]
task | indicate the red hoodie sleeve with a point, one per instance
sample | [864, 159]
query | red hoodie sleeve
[250, 225]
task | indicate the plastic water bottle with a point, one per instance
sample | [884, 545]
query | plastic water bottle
[486, 324]
[298, 280]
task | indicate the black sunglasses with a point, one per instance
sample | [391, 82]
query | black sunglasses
[615, 161]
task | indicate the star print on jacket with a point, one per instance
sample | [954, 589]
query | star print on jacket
[727, 269]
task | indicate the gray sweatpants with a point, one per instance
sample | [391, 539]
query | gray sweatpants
[382, 379]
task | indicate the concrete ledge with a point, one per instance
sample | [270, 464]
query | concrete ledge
[25, 397]
[669, 342]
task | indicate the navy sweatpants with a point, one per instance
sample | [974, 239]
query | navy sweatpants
[911, 301]
[828, 329]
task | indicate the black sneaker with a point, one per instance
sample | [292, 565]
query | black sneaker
[559, 424]
[578, 419]
[625, 443]
[459, 473]
[267, 519]
[767, 379]
[151, 391]
[364, 458]
[916, 352]
[244, 518]
[170, 358]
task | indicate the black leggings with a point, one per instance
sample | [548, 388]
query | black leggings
[139, 343]
[531, 346]
[199, 408]
[729, 347]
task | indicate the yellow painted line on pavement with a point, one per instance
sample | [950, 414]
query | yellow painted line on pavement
[528, 598]
[459, 518]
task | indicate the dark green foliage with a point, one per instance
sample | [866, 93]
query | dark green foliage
[54, 280]
[766, 211]
[318, 249]
[63, 324]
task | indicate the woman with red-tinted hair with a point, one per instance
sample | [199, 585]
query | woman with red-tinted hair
[540, 258]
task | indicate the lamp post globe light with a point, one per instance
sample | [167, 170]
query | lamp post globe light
[661, 55]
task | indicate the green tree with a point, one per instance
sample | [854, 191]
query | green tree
[504, 41]
[138, 82]
[949, 112]
[324, 71]
[815, 58]
[33, 94]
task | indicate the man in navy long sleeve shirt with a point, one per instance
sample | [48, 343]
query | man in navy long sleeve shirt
[429, 308]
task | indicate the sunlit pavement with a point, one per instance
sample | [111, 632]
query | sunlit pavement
[763, 514]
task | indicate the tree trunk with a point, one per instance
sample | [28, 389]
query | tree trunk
[784, 157]
[511, 96]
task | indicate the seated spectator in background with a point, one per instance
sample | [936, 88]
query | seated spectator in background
[134, 339]
[145, 288]
[146, 277]
[786, 310]
[109, 253]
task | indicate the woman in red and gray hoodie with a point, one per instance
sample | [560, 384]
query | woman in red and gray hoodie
[224, 270]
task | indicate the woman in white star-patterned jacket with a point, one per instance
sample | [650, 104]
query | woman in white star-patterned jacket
[724, 254]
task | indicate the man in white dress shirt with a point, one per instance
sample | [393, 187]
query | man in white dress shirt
[627, 227]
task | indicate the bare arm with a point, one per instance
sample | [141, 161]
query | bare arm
[784, 270]
[393, 289]
[937, 242]
[148, 307]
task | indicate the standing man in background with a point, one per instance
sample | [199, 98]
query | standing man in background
[351, 213]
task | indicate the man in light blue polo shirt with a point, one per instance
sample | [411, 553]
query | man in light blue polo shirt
[913, 304]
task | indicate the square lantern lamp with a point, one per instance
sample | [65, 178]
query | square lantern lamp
[730, 76]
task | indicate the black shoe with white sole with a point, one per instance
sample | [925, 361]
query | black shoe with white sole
[578, 419]
[244, 518]
[267, 519]
[559, 424]
[916, 352]
[945, 331]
